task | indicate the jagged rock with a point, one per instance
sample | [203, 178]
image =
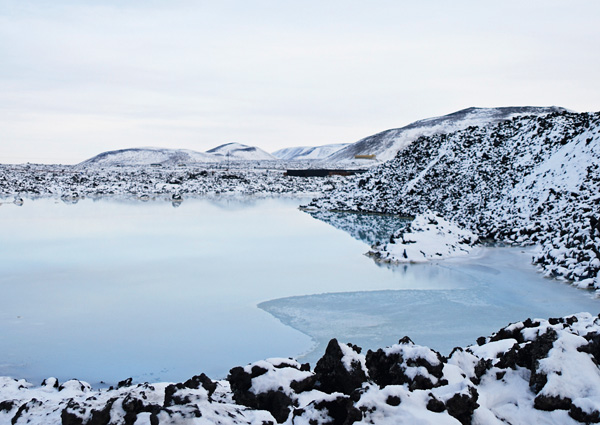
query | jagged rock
[337, 411]
[389, 366]
[125, 383]
[333, 375]
[276, 402]
[435, 405]
[580, 415]
[550, 403]
[462, 406]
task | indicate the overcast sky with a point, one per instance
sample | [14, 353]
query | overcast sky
[81, 77]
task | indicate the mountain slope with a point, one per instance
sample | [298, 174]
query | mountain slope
[530, 180]
[387, 143]
[239, 152]
[300, 153]
[147, 156]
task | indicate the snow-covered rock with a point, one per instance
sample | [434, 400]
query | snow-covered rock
[427, 237]
[533, 180]
[71, 183]
[534, 371]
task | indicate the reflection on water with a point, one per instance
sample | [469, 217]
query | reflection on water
[368, 228]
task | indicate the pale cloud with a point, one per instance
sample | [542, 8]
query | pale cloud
[81, 77]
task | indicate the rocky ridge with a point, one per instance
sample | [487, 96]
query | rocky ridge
[387, 143]
[532, 180]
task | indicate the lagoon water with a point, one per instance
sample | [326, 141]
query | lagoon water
[108, 289]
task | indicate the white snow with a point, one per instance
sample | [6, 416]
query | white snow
[428, 237]
[239, 152]
[302, 153]
[352, 358]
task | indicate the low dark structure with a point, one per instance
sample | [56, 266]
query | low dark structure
[321, 172]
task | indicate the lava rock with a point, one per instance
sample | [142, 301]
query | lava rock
[332, 375]
[462, 406]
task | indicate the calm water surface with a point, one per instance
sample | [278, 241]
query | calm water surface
[104, 290]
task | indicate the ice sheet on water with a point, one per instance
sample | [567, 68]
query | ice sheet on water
[499, 287]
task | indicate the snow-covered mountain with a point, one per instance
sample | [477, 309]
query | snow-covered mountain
[386, 144]
[238, 152]
[528, 181]
[301, 153]
[148, 156]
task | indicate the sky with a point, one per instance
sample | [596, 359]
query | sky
[80, 77]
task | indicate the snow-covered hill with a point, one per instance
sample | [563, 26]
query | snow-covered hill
[171, 157]
[302, 153]
[386, 144]
[148, 156]
[239, 152]
[533, 180]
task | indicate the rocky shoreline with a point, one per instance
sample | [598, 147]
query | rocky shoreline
[535, 371]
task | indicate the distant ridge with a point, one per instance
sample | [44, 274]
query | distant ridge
[148, 156]
[300, 153]
[170, 157]
[237, 151]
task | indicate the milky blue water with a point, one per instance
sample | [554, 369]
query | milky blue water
[104, 290]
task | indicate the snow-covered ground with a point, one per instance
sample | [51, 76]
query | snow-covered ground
[73, 182]
[533, 180]
[535, 371]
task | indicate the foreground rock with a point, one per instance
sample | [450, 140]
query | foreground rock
[535, 371]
